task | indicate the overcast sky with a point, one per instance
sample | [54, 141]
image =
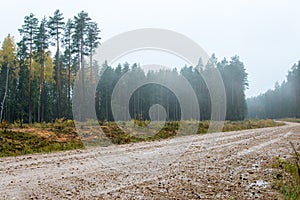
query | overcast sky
[265, 34]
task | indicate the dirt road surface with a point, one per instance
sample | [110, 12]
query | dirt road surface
[227, 165]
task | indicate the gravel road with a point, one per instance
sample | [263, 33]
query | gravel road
[227, 165]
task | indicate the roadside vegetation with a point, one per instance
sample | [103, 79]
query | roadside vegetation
[19, 139]
[287, 176]
[297, 120]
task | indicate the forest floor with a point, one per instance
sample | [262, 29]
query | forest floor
[228, 165]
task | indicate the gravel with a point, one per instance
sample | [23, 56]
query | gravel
[212, 166]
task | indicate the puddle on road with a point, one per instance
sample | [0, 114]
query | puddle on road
[260, 183]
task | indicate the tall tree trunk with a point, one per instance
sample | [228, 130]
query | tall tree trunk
[29, 82]
[106, 104]
[237, 104]
[58, 78]
[91, 71]
[232, 102]
[42, 95]
[297, 96]
[82, 76]
[5, 94]
[69, 80]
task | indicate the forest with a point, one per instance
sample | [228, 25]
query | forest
[37, 84]
[88, 111]
[232, 72]
[281, 102]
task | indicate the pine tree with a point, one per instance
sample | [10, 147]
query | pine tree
[92, 42]
[42, 44]
[8, 77]
[56, 24]
[67, 43]
[28, 31]
[22, 93]
[81, 28]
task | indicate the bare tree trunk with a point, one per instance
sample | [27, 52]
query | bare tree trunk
[5, 94]
[82, 76]
[58, 78]
[232, 101]
[297, 99]
[29, 82]
[69, 80]
[42, 94]
[91, 71]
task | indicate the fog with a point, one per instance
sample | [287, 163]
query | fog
[264, 34]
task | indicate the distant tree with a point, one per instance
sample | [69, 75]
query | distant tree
[282, 101]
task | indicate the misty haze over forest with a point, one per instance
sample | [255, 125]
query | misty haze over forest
[35, 83]
[150, 99]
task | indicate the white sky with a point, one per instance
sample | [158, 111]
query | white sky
[265, 34]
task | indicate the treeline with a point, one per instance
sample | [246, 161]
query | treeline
[233, 74]
[36, 86]
[280, 102]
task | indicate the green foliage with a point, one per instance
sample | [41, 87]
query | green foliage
[59, 123]
[235, 81]
[17, 123]
[115, 134]
[34, 97]
[40, 82]
[28, 33]
[287, 179]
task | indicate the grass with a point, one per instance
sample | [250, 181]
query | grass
[21, 143]
[287, 178]
[116, 134]
[297, 120]
[19, 139]
[250, 124]
[38, 138]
